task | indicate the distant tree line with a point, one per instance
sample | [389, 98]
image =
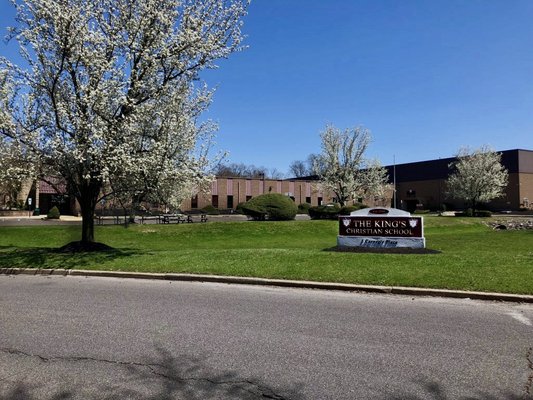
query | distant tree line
[241, 170]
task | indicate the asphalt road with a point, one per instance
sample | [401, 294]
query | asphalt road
[100, 338]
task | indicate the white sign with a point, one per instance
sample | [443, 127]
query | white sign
[381, 227]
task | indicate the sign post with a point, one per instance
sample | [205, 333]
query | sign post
[381, 228]
[29, 206]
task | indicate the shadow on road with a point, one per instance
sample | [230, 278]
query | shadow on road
[165, 378]
[434, 391]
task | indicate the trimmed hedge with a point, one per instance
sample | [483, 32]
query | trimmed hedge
[271, 206]
[210, 210]
[303, 208]
[53, 213]
[346, 210]
[328, 211]
[238, 209]
[470, 213]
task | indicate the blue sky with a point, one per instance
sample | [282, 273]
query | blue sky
[426, 77]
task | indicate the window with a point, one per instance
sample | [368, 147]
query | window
[248, 198]
[230, 201]
[194, 202]
[214, 200]
[308, 200]
[320, 201]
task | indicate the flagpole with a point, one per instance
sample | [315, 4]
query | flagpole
[394, 177]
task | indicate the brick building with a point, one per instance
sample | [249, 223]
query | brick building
[227, 193]
[418, 185]
[423, 184]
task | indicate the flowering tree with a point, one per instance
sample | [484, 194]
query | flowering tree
[110, 99]
[478, 176]
[342, 167]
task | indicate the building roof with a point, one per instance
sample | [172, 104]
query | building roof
[48, 186]
[513, 160]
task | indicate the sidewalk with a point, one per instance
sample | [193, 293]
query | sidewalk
[71, 220]
[39, 220]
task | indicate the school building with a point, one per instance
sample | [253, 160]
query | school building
[423, 184]
[419, 185]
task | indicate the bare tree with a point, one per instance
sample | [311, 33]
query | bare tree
[274, 173]
[298, 169]
[478, 176]
[240, 170]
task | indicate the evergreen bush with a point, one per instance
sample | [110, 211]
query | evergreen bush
[328, 211]
[346, 210]
[53, 213]
[271, 206]
[238, 209]
[210, 210]
[303, 208]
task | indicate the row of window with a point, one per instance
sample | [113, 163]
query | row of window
[229, 201]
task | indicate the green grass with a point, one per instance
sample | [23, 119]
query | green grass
[473, 256]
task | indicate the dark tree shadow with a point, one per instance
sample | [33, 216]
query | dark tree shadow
[39, 257]
[164, 378]
[395, 250]
[435, 391]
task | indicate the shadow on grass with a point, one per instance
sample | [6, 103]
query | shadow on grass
[396, 250]
[39, 257]
[164, 377]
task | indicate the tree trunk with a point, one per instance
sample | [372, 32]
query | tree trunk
[87, 224]
[88, 199]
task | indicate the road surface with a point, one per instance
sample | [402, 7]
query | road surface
[102, 338]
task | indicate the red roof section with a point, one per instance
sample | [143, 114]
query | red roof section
[46, 188]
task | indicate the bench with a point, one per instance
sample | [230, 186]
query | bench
[177, 218]
[100, 219]
[149, 218]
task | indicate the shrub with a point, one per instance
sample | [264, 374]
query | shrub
[53, 213]
[328, 211]
[421, 212]
[448, 207]
[466, 213]
[483, 213]
[238, 209]
[304, 208]
[346, 210]
[271, 206]
[210, 210]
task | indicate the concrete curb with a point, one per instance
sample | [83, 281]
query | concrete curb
[408, 291]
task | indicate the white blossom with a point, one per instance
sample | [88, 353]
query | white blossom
[342, 167]
[112, 97]
[478, 176]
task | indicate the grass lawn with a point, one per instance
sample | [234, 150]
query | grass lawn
[473, 256]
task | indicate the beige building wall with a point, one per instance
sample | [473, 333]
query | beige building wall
[525, 184]
[227, 193]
